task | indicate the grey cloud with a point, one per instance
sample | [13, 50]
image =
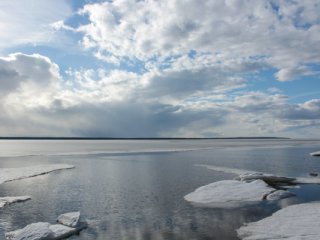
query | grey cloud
[143, 120]
[307, 111]
[90, 110]
[9, 79]
[19, 68]
[113, 120]
[183, 82]
[258, 102]
[291, 73]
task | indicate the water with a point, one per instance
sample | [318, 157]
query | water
[135, 189]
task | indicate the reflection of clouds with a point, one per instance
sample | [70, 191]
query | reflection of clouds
[155, 209]
[192, 224]
[140, 196]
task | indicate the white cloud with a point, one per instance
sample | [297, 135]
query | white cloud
[290, 73]
[190, 62]
[174, 102]
[28, 21]
[123, 104]
[279, 34]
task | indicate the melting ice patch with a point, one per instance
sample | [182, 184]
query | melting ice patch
[279, 194]
[69, 219]
[249, 187]
[225, 169]
[248, 175]
[11, 174]
[315, 154]
[229, 193]
[44, 230]
[9, 200]
[300, 221]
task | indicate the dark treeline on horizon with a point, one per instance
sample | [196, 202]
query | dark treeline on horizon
[131, 138]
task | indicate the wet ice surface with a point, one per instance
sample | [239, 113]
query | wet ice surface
[301, 221]
[18, 173]
[4, 201]
[247, 175]
[140, 196]
[14, 174]
[315, 154]
[76, 147]
[229, 193]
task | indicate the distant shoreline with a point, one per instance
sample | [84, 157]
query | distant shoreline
[102, 138]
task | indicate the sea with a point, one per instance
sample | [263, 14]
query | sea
[134, 189]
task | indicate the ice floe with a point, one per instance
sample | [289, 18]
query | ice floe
[270, 179]
[315, 154]
[46, 231]
[60, 231]
[248, 187]
[11, 174]
[235, 171]
[247, 175]
[34, 231]
[9, 200]
[279, 194]
[69, 219]
[295, 222]
[229, 193]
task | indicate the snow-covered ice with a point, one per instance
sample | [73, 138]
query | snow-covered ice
[229, 193]
[69, 219]
[315, 154]
[10, 174]
[235, 171]
[8, 200]
[60, 231]
[279, 194]
[34, 231]
[295, 222]
[46, 231]
[307, 180]
[268, 178]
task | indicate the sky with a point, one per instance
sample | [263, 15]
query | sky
[151, 68]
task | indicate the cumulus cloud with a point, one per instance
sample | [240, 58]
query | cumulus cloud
[182, 68]
[290, 73]
[306, 111]
[19, 68]
[36, 100]
[122, 104]
[278, 34]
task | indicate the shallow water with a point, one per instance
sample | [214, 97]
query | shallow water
[135, 189]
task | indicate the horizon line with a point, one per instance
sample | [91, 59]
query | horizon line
[134, 138]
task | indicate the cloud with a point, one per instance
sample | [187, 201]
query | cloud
[181, 101]
[175, 68]
[276, 34]
[291, 73]
[186, 83]
[29, 22]
[18, 70]
[309, 110]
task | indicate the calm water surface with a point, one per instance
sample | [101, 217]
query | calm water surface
[135, 189]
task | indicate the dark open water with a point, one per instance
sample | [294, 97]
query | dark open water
[139, 195]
